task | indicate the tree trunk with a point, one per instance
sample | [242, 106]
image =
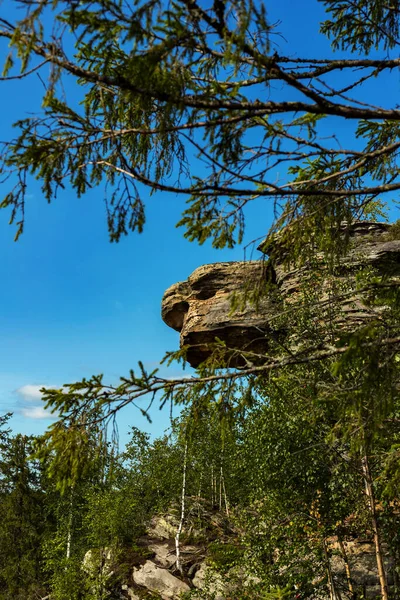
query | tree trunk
[212, 485]
[331, 583]
[347, 567]
[224, 491]
[70, 523]
[375, 527]
[178, 533]
[200, 482]
[221, 476]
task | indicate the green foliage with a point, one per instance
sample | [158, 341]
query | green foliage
[394, 231]
[182, 98]
[23, 523]
[363, 25]
[67, 580]
[224, 556]
[278, 593]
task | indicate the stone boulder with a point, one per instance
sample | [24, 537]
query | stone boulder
[361, 560]
[369, 246]
[99, 560]
[99, 564]
[160, 541]
[208, 580]
[159, 580]
[164, 553]
[130, 593]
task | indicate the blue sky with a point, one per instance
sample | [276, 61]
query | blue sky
[72, 304]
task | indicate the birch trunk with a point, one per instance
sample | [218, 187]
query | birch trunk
[212, 485]
[179, 531]
[331, 584]
[200, 482]
[225, 496]
[220, 488]
[70, 523]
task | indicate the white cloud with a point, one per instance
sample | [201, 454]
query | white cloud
[30, 393]
[36, 412]
[29, 402]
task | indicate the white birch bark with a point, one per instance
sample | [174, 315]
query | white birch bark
[220, 488]
[180, 527]
[225, 496]
[212, 485]
[70, 523]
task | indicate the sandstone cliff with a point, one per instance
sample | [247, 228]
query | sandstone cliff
[200, 308]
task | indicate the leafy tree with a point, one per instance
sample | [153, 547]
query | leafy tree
[75, 501]
[319, 442]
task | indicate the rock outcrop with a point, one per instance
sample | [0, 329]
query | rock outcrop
[201, 307]
[361, 560]
[156, 576]
[154, 572]
[159, 580]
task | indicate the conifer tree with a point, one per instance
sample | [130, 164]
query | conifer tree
[22, 524]
[164, 86]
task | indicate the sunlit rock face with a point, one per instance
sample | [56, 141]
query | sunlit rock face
[200, 308]
[369, 245]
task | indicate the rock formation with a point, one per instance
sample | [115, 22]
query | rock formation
[154, 575]
[159, 580]
[200, 308]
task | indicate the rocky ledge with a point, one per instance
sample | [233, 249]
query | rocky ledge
[202, 307]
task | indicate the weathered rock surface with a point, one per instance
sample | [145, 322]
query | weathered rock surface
[159, 580]
[361, 560]
[369, 247]
[207, 579]
[99, 565]
[201, 307]
[164, 553]
[163, 527]
[156, 576]
[99, 560]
